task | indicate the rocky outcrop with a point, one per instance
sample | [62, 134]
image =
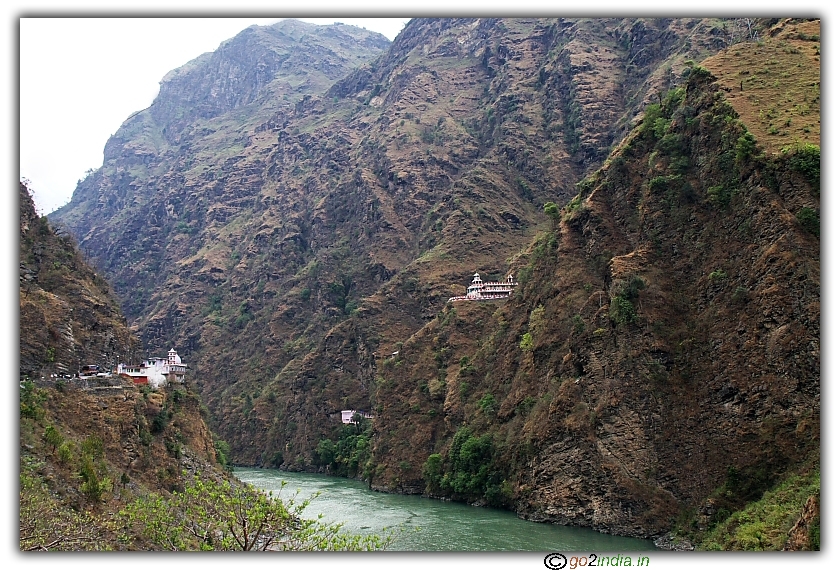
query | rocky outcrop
[800, 536]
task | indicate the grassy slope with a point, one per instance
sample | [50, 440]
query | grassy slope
[774, 84]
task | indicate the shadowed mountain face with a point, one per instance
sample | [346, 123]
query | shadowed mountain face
[299, 205]
[68, 314]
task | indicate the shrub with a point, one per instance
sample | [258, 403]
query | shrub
[553, 211]
[622, 311]
[622, 307]
[717, 275]
[433, 472]
[94, 480]
[536, 321]
[719, 196]
[222, 452]
[740, 295]
[805, 159]
[487, 404]
[52, 437]
[527, 342]
[65, 453]
[746, 147]
[31, 399]
[578, 323]
[810, 220]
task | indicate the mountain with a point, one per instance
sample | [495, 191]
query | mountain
[88, 448]
[68, 314]
[300, 245]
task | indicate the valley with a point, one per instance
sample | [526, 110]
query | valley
[296, 210]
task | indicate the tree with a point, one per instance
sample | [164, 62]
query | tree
[212, 515]
[31, 399]
[52, 437]
[553, 211]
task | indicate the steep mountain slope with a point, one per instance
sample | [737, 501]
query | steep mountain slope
[68, 315]
[268, 226]
[87, 451]
[302, 256]
[662, 353]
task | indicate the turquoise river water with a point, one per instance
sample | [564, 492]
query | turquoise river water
[431, 524]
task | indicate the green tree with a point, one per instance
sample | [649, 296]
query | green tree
[211, 515]
[552, 210]
[487, 404]
[326, 451]
[222, 453]
[31, 399]
[527, 342]
[810, 220]
[433, 472]
[52, 437]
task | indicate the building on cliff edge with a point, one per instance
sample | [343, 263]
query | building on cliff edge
[155, 371]
[347, 416]
[480, 291]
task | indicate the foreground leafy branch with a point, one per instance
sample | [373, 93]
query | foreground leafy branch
[211, 515]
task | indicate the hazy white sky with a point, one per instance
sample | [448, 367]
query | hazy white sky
[80, 78]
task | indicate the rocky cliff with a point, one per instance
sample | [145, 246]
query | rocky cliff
[88, 447]
[68, 314]
[299, 247]
[663, 341]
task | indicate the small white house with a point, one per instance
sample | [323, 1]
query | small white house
[347, 416]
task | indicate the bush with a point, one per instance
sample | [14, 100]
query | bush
[224, 516]
[222, 452]
[527, 342]
[487, 404]
[746, 147]
[31, 399]
[553, 211]
[433, 472]
[53, 438]
[810, 220]
[622, 307]
[805, 159]
[717, 275]
[65, 453]
[719, 196]
[741, 295]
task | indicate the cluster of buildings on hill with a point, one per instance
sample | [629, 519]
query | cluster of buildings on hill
[481, 291]
[155, 371]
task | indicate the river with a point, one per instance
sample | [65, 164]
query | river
[431, 524]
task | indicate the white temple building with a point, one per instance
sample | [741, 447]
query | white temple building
[481, 291]
[156, 371]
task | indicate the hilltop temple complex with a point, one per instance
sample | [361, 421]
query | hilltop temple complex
[481, 291]
[155, 371]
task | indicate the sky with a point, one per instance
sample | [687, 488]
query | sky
[75, 86]
[80, 78]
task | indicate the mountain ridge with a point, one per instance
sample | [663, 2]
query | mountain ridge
[320, 236]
